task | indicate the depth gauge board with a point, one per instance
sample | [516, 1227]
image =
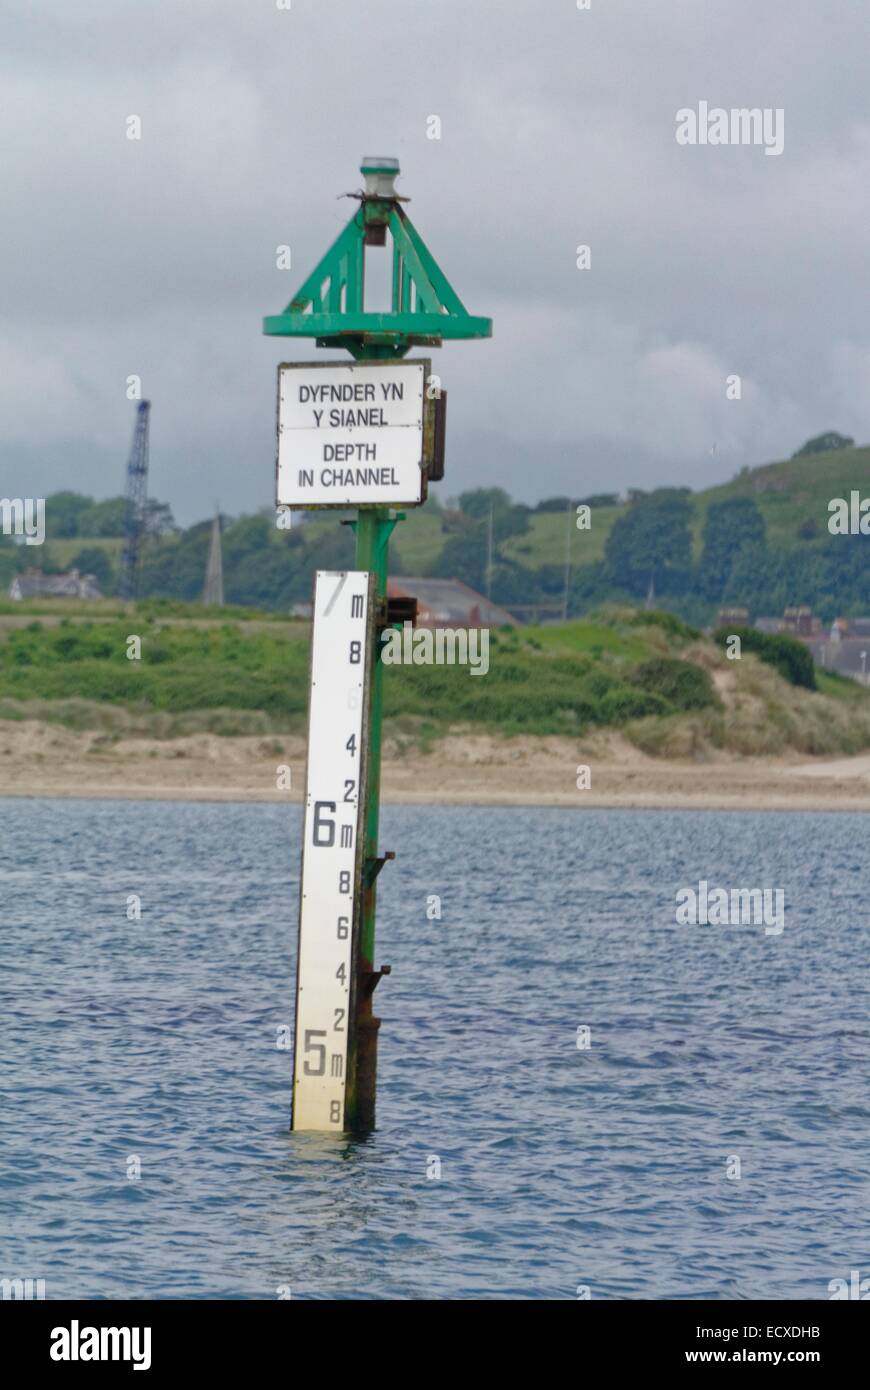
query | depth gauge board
[330, 896]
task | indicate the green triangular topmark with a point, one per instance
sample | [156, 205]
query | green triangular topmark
[329, 305]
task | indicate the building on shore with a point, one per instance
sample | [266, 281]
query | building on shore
[733, 617]
[32, 583]
[795, 622]
[843, 648]
[449, 603]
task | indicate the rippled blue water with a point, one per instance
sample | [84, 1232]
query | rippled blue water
[559, 1167]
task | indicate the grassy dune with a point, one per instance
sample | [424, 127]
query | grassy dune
[671, 691]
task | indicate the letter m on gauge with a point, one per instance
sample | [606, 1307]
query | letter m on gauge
[330, 898]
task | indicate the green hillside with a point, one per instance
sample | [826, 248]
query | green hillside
[795, 491]
[66, 550]
[760, 541]
[788, 494]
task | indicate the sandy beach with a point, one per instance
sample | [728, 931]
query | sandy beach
[45, 760]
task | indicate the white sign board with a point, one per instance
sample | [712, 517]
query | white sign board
[332, 847]
[351, 434]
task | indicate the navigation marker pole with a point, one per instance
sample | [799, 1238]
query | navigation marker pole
[369, 435]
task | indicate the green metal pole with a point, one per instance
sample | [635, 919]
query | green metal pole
[373, 530]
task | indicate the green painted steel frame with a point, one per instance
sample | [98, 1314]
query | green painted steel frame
[330, 303]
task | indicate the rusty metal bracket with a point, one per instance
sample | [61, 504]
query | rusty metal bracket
[373, 866]
[401, 608]
[370, 979]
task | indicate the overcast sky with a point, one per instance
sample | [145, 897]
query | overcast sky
[158, 257]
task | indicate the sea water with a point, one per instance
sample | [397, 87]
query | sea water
[578, 1095]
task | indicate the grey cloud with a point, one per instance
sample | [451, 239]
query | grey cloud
[158, 257]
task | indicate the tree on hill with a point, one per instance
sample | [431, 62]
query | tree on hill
[509, 518]
[92, 560]
[175, 567]
[70, 514]
[600, 499]
[731, 526]
[749, 571]
[463, 556]
[824, 443]
[103, 518]
[513, 583]
[464, 553]
[651, 543]
[159, 520]
[63, 511]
